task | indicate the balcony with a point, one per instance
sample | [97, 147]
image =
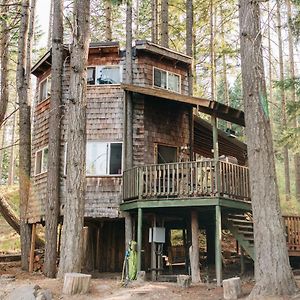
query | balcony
[202, 179]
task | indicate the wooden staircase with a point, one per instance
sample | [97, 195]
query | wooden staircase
[241, 227]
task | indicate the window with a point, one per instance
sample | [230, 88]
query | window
[166, 80]
[103, 158]
[45, 89]
[166, 154]
[103, 75]
[41, 161]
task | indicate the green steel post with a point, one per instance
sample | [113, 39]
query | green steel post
[218, 245]
[139, 239]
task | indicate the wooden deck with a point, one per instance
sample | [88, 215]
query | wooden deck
[187, 180]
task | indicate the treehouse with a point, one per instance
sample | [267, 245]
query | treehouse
[152, 164]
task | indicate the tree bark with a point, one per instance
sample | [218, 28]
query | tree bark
[11, 166]
[23, 87]
[194, 259]
[53, 175]
[50, 29]
[283, 105]
[224, 63]
[71, 254]
[273, 274]
[154, 22]
[165, 23]
[4, 43]
[108, 20]
[270, 88]
[189, 41]
[3, 134]
[293, 94]
[212, 51]
[128, 77]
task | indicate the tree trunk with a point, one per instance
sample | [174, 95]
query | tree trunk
[189, 41]
[293, 95]
[270, 68]
[273, 274]
[3, 134]
[212, 51]
[224, 63]
[165, 23]
[12, 219]
[71, 253]
[53, 175]
[128, 100]
[108, 20]
[283, 105]
[23, 86]
[194, 257]
[4, 42]
[154, 22]
[50, 29]
[11, 166]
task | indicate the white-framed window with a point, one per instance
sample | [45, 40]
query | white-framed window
[41, 161]
[44, 89]
[97, 75]
[166, 80]
[103, 158]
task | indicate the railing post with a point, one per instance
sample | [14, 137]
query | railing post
[140, 182]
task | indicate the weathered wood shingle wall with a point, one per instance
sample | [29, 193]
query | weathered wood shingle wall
[153, 122]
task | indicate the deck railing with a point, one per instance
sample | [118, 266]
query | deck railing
[187, 179]
[292, 226]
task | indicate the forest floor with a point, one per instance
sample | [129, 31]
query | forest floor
[108, 287]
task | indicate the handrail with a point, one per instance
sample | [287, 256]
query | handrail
[186, 180]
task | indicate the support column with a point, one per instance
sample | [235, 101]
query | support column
[194, 253]
[153, 253]
[32, 247]
[218, 245]
[139, 239]
[128, 229]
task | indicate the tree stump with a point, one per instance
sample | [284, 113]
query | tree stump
[232, 288]
[184, 281]
[76, 283]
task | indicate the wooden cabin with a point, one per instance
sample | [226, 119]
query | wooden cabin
[179, 163]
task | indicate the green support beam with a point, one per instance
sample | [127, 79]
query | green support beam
[139, 239]
[218, 245]
[188, 202]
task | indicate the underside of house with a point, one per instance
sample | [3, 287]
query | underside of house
[182, 164]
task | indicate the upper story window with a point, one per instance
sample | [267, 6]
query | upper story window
[103, 158]
[166, 80]
[41, 161]
[45, 89]
[104, 75]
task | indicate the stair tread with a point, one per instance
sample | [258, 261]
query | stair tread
[248, 226]
[240, 221]
[245, 232]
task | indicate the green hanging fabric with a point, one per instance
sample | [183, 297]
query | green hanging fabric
[132, 261]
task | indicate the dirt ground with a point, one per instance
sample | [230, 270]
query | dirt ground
[108, 287]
